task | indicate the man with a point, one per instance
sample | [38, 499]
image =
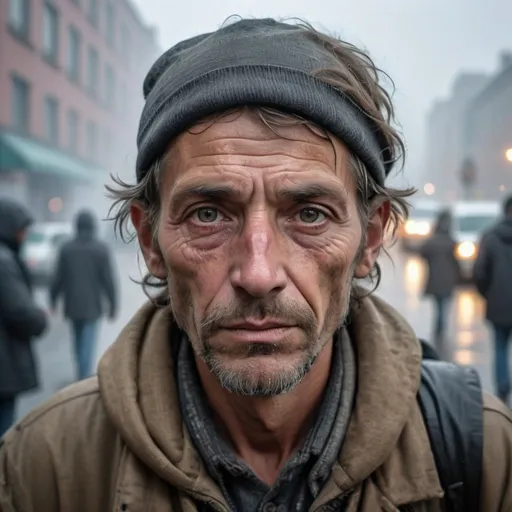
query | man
[20, 318]
[493, 279]
[261, 378]
[84, 278]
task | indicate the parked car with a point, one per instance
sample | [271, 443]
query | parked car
[470, 220]
[419, 225]
[41, 248]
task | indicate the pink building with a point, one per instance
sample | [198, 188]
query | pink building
[71, 76]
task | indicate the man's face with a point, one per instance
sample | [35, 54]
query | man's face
[259, 239]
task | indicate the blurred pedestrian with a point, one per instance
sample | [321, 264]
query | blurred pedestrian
[443, 272]
[493, 279]
[20, 318]
[84, 279]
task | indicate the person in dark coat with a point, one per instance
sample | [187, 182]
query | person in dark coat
[20, 318]
[443, 270]
[85, 281]
[492, 275]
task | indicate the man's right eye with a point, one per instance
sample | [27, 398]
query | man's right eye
[206, 214]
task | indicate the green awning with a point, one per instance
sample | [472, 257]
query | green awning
[20, 153]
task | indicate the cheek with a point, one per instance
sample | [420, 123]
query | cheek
[194, 277]
[324, 271]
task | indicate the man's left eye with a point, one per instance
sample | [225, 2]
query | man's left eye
[311, 215]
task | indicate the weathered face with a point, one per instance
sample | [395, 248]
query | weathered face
[259, 239]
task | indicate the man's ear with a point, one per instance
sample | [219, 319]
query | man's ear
[149, 247]
[374, 239]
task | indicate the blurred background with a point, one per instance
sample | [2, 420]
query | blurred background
[71, 74]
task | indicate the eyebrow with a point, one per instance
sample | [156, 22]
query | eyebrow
[212, 192]
[299, 194]
[308, 192]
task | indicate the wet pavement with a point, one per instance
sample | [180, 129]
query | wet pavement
[468, 340]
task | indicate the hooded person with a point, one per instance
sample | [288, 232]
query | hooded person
[443, 272]
[262, 377]
[493, 278]
[20, 318]
[85, 281]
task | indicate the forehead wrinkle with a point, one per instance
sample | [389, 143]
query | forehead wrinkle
[336, 157]
[258, 161]
[250, 146]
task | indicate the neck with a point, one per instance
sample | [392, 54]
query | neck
[266, 431]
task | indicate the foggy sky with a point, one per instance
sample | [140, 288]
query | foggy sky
[422, 44]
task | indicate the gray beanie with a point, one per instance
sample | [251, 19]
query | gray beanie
[251, 62]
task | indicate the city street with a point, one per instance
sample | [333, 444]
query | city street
[401, 286]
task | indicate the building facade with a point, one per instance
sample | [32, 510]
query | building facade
[488, 134]
[71, 75]
[446, 137]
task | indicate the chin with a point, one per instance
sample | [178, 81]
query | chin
[261, 375]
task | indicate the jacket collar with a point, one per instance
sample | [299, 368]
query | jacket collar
[139, 390]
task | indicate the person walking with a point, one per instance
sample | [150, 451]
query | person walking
[21, 320]
[443, 273]
[493, 278]
[84, 279]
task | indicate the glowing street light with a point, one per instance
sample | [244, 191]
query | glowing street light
[508, 154]
[429, 189]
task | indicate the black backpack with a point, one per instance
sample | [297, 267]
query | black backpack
[450, 398]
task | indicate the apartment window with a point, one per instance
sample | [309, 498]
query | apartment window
[73, 64]
[109, 86]
[51, 120]
[20, 103]
[92, 141]
[110, 29]
[19, 19]
[92, 71]
[73, 132]
[50, 33]
[92, 12]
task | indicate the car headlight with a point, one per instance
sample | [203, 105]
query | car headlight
[421, 228]
[466, 250]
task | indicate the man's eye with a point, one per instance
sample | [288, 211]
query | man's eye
[207, 214]
[311, 215]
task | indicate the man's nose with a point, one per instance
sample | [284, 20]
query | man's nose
[258, 269]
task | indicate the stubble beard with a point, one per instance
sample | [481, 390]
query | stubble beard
[242, 381]
[249, 380]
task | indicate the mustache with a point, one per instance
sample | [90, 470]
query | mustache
[289, 311]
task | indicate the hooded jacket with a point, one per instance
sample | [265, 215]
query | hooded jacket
[493, 272]
[117, 442]
[443, 267]
[20, 318]
[84, 276]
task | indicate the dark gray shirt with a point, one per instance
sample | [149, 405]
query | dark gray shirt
[303, 476]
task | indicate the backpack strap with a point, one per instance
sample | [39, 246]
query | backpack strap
[450, 398]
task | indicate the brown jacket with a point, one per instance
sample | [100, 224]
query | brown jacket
[118, 442]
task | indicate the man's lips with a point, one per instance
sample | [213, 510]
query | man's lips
[258, 332]
[257, 325]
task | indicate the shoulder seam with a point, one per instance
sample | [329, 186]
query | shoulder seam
[497, 411]
[46, 410]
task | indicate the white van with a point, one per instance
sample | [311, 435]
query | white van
[471, 219]
[419, 225]
[41, 247]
